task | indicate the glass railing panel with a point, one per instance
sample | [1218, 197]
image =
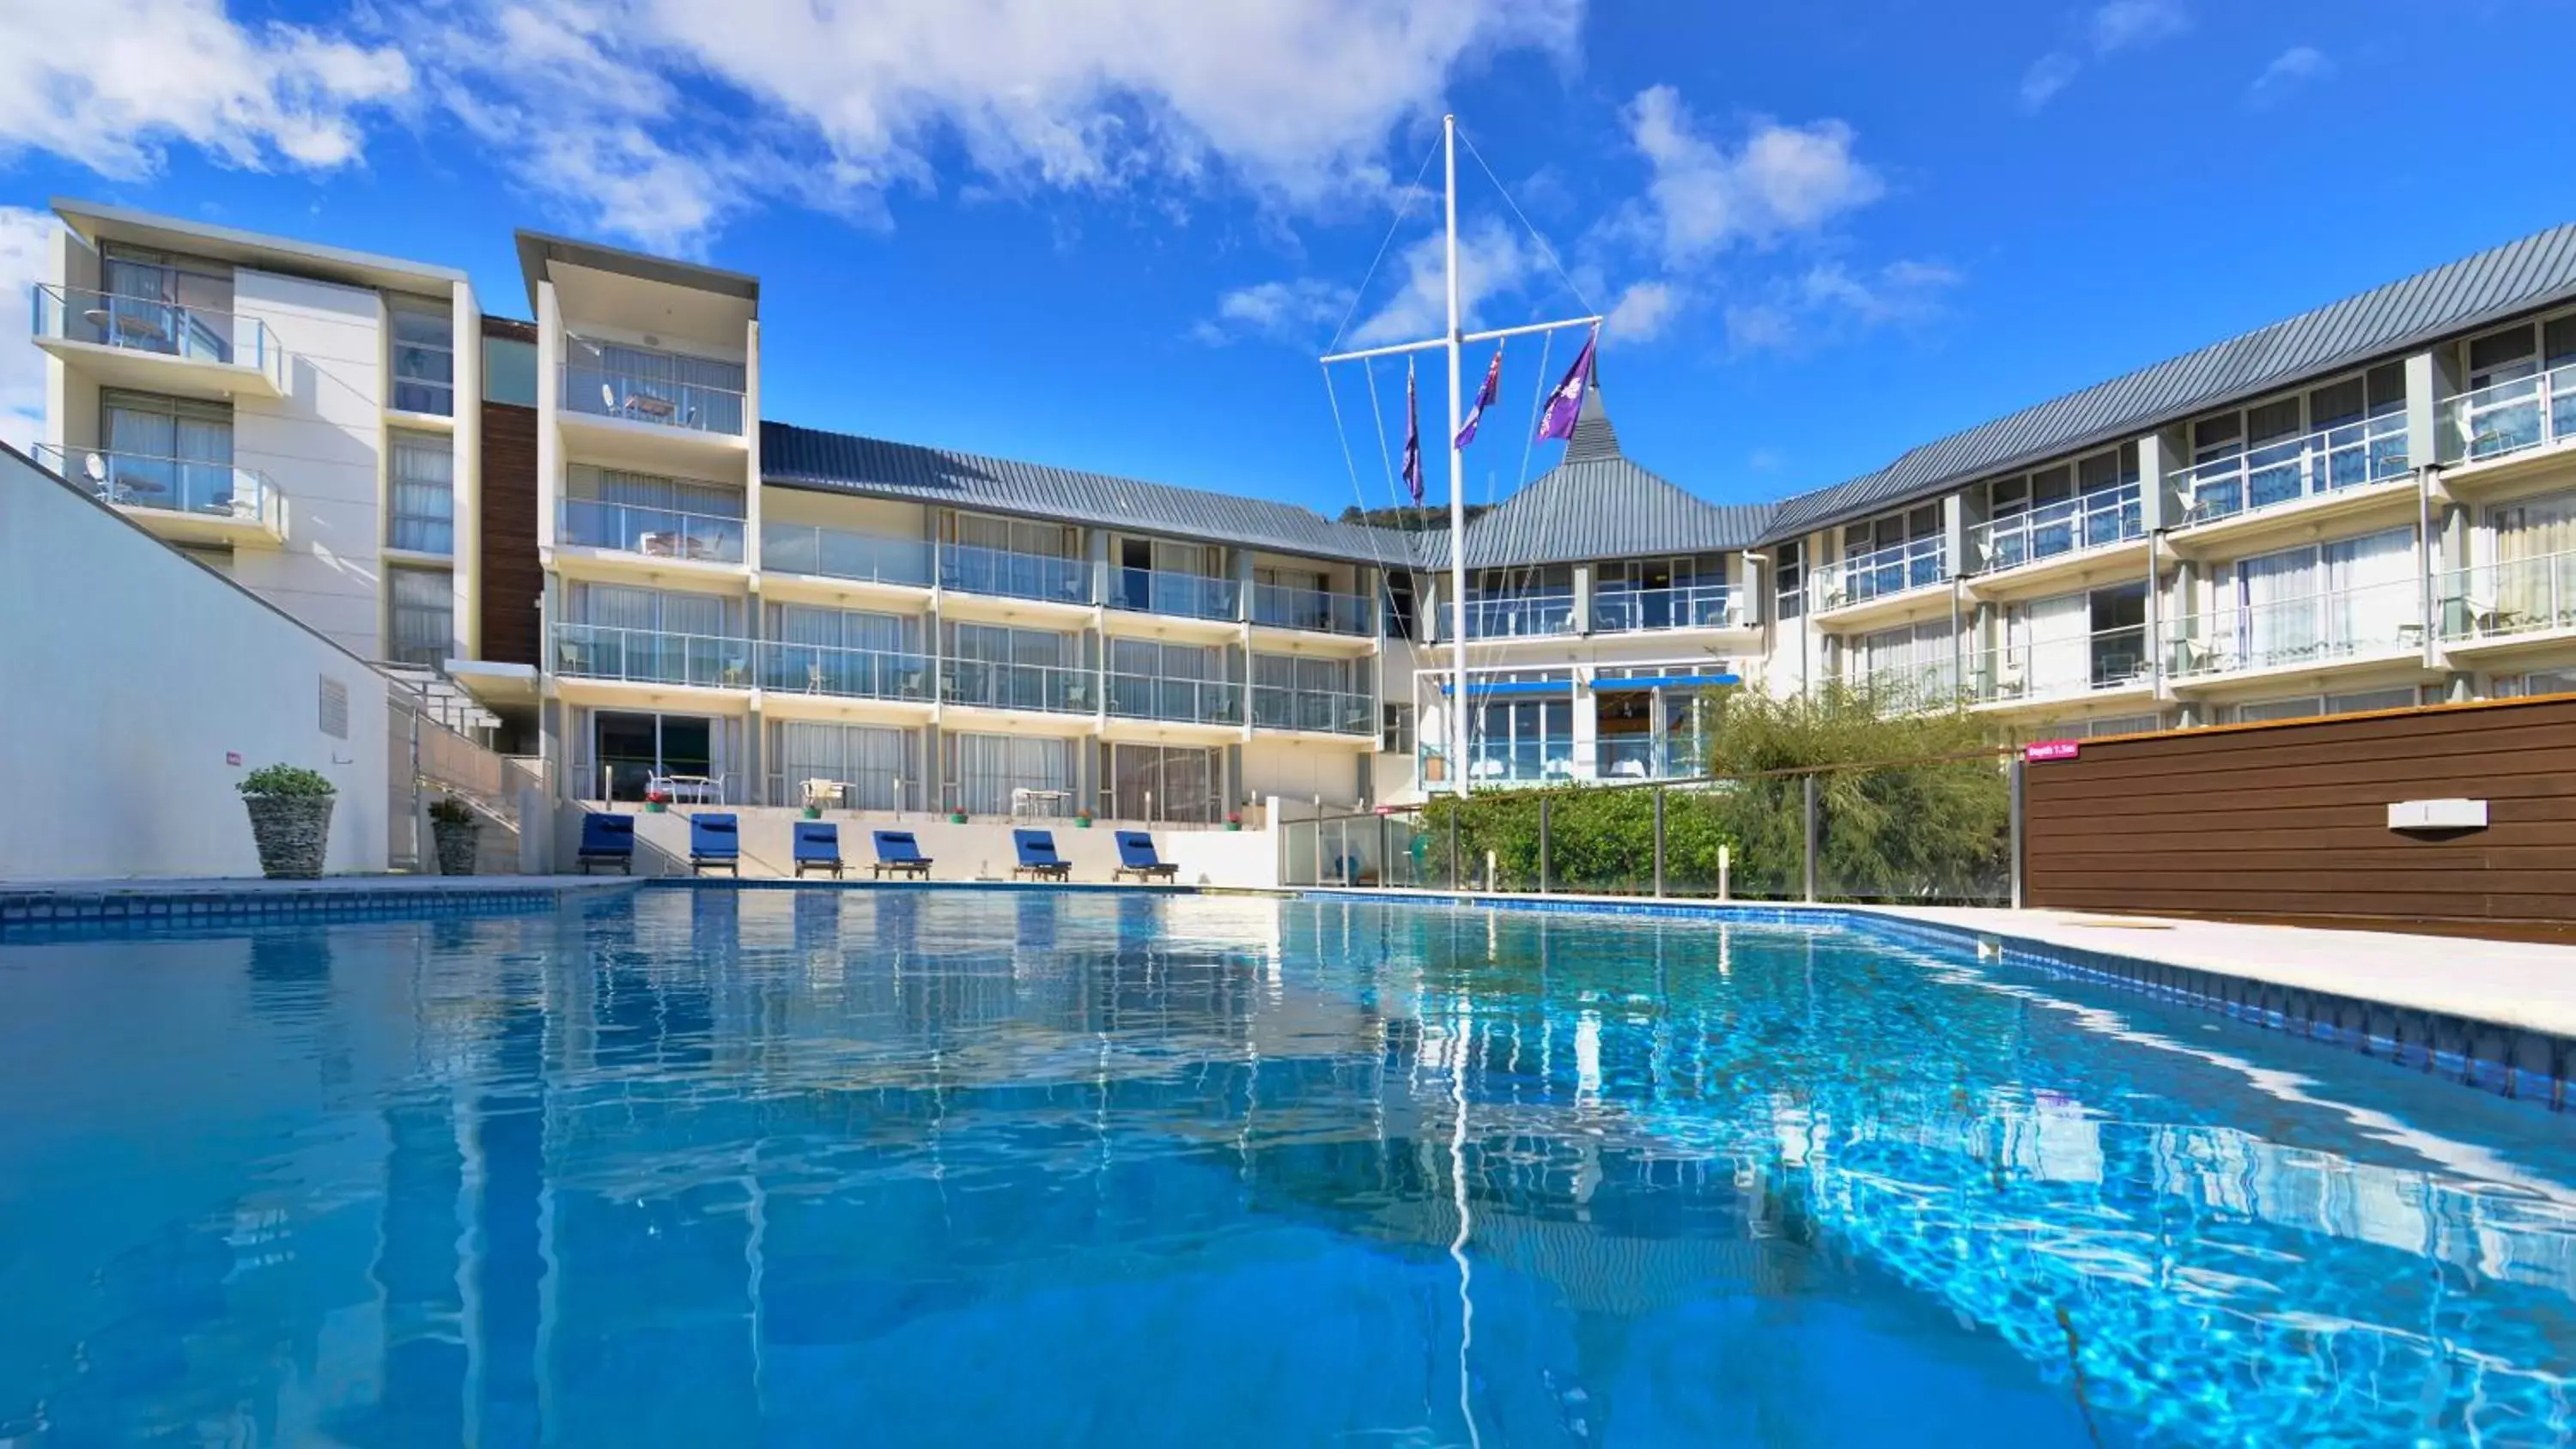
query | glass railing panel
[2072, 525]
[838, 554]
[2331, 624]
[1509, 616]
[1003, 573]
[1632, 757]
[851, 673]
[2517, 596]
[1314, 711]
[176, 485]
[653, 532]
[1189, 596]
[1929, 685]
[2063, 668]
[608, 392]
[647, 656]
[2510, 417]
[1278, 606]
[1688, 606]
[1182, 701]
[148, 324]
[1879, 573]
[2270, 475]
[1053, 688]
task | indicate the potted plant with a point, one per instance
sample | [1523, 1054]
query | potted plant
[453, 827]
[956, 817]
[1082, 820]
[813, 811]
[1234, 820]
[657, 801]
[290, 819]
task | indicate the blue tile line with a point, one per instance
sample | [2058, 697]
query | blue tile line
[2511, 1061]
[56, 913]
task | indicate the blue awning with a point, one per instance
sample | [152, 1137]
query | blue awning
[1514, 686]
[1667, 681]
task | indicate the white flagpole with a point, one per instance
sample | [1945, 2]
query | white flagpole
[1457, 486]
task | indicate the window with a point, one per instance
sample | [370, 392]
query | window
[424, 342]
[1159, 782]
[2309, 706]
[2537, 682]
[1395, 731]
[159, 302]
[1401, 619]
[509, 371]
[622, 606]
[874, 764]
[424, 498]
[1789, 579]
[1015, 535]
[166, 452]
[985, 770]
[423, 615]
[842, 628]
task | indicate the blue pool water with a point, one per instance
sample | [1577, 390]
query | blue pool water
[923, 1167]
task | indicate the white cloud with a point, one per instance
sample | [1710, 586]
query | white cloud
[2047, 76]
[2288, 71]
[1829, 302]
[111, 84]
[1783, 179]
[1299, 310]
[26, 258]
[1643, 311]
[1494, 261]
[2102, 32]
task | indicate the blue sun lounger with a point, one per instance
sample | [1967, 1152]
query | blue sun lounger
[818, 847]
[607, 840]
[715, 843]
[898, 852]
[1038, 859]
[1136, 857]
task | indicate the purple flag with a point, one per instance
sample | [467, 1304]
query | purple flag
[1412, 438]
[1484, 399]
[1566, 403]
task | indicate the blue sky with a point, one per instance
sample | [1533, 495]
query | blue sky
[1113, 234]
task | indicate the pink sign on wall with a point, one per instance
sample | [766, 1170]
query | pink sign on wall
[2041, 751]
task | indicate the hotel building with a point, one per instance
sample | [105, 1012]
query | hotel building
[585, 523]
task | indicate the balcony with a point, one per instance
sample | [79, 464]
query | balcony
[1881, 573]
[1280, 606]
[2510, 418]
[1176, 701]
[177, 498]
[1313, 711]
[1913, 685]
[1687, 606]
[1521, 762]
[164, 346]
[1520, 616]
[1649, 757]
[653, 397]
[1000, 573]
[647, 656]
[1052, 688]
[659, 533]
[832, 553]
[2371, 621]
[844, 673]
[2277, 475]
[2054, 670]
[1187, 596]
[2070, 526]
[2527, 600]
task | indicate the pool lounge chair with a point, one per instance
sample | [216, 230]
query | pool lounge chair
[715, 843]
[1136, 857]
[1038, 860]
[818, 847]
[607, 840]
[898, 852]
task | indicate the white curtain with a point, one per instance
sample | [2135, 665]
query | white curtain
[872, 761]
[424, 495]
[620, 606]
[1015, 535]
[2276, 607]
[840, 628]
[652, 491]
[2373, 590]
[2535, 560]
[2057, 652]
[990, 767]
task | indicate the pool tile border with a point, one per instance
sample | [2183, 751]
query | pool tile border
[55, 911]
[2507, 1060]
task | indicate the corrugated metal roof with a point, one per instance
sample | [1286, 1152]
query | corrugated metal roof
[2381, 323]
[1596, 504]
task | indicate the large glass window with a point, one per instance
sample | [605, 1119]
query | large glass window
[509, 371]
[165, 452]
[160, 302]
[424, 346]
[1789, 579]
[1009, 774]
[874, 765]
[423, 615]
[424, 497]
[1160, 782]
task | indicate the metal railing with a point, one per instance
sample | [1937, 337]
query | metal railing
[174, 485]
[1054, 688]
[848, 673]
[1282, 606]
[2065, 668]
[607, 392]
[1188, 596]
[150, 324]
[1515, 616]
[832, 553]
[2287, 471]
[647, 656]
[1683, 606]
[1925, 684]
[1181, 701]
[1315, 711]
[970, 569]
[2072, 525]
[2518, 596]
[653, 532]
[2505, 418]
[2320, 627]
[1896, 569]
[1521, 762]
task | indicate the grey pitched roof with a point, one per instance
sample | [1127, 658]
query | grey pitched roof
[1596, 503]
[2400, 317]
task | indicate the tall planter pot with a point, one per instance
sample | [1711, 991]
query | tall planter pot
[457, 841]
[293, 833]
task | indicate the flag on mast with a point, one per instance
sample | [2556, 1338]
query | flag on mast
[1484, 399]
[1566, 403]
[1412, 438]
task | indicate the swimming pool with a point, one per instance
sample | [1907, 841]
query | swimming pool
[959, 1167]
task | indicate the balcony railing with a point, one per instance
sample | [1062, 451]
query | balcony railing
[1182, 701]
[2275, 475]
[1879, 573]
[1281, 606]
[2499, 600]
[1650, 757]
[147, 324]
[608, 392]
[1190, 596]
[1515, 616]
[1054, 688]
[1923, 684]
[1316, 711]
[648, 656]
[2064, 668]
[173, 485]
[833, 553]
[1685, 606]
[653, 532]
[1520, 762]
[2072, 525]
[848, 673]
[2510, 417]
[2312, 628]
[1001, 572]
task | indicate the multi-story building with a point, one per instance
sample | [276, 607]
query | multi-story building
[586, 522]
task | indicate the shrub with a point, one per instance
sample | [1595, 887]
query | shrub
[448, 810]
[286, 782]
